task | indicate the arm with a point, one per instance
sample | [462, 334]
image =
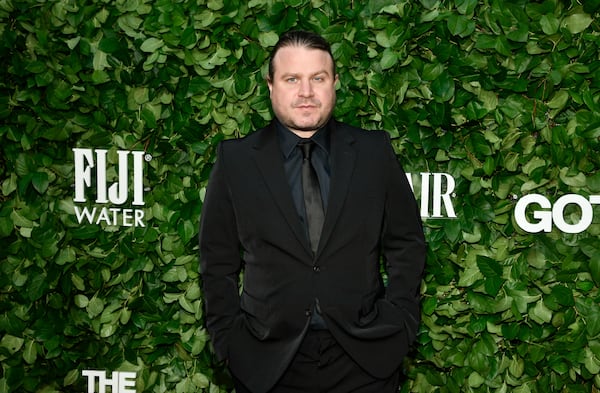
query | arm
[403, 244]
[220, 260]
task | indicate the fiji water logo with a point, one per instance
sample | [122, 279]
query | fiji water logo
[109, 193]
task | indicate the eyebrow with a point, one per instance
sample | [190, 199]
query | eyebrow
[300, 73]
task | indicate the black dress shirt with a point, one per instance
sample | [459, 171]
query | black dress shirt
[292, 164]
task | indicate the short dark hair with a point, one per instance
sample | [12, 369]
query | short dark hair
[300, 38]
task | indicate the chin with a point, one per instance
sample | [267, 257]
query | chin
[307, 126]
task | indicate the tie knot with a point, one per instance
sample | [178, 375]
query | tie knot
[306, 147]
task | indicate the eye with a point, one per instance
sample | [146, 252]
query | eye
[291, 79]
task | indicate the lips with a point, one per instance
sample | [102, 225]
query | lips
[307, 105]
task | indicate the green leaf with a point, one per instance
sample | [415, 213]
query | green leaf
[81, 301]
[100, 76]
[65, 255]
[564, 295]
[30, 352]
[591, 314]
[540, 313]
[475, 380]
[108, 330]
[594, 263]
[384, 39]
[460, 25]
[443, 87]
[137, 96]
[489, 267]
[466, 7]
[40, 181]
[187, 231]
[559, 100]
[474, 111]
[152, 44]
[389, 58]
[517, 366]
[493, 285]
[574, 180]
[11, 343]
[550, 24]
[215, 4]
[77, 282]
[480, 145]
[71, 377]
[577, 23]
[100, 61]
[38, 285]
[19, 278]
[268, 39]
[592, 362]
[429, 305]
[109, 44]
[36, 67]
[95, 307]
[188, 37]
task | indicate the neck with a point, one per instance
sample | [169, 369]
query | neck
[304, 134]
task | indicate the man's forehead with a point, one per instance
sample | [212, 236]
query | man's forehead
[288, 56]
[296, 50]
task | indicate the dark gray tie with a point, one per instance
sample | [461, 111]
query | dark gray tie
[312, 196]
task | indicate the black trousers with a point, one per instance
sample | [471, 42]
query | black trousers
[322, 366]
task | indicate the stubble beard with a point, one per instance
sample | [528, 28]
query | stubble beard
[312, 127]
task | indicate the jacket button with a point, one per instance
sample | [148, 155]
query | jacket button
[307, 312]
[317, 268]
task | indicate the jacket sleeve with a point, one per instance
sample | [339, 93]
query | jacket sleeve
[403, 244]
[220, 257]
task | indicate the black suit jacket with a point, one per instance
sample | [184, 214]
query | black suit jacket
[249, 224]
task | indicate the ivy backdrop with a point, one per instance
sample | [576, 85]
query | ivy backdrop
[502, 95]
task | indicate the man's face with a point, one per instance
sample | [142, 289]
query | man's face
[302, 89]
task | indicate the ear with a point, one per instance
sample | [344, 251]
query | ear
[269, 84]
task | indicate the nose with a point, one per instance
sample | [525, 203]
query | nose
[305, 89]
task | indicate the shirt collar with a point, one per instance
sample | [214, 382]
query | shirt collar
[288, 140]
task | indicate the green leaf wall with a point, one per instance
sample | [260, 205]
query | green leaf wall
[502, 95]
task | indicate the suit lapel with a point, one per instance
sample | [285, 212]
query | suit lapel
[268, 157]
[342, 156]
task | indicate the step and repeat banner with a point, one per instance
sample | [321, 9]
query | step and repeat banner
[110, 115]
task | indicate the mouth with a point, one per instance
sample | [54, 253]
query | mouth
[307, 105]
[306, 108]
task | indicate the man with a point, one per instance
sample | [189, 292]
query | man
[313, 314]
